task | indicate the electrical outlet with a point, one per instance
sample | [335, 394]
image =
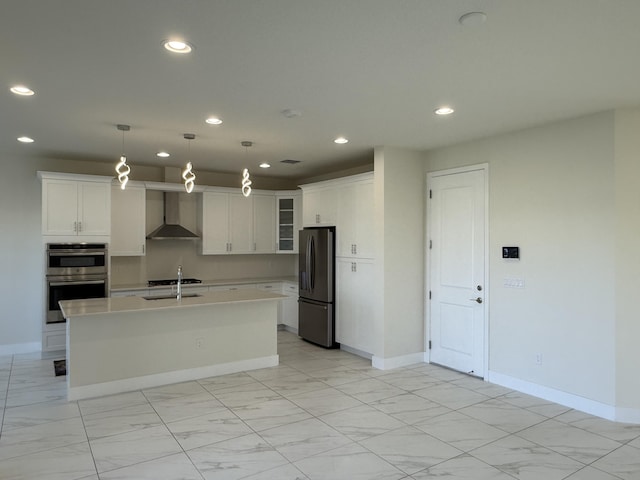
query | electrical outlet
[199, 342]
[538, 359]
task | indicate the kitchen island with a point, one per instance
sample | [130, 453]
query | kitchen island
[122, 344]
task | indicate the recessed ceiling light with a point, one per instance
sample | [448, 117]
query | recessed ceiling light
[472, 19]
[265, 165]
[25, 139]
[444, 111]
[341, 140]
[178, 46]
[163, 154]
[213, 121]
[22, 90]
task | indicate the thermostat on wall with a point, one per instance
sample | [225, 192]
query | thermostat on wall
[510, 252]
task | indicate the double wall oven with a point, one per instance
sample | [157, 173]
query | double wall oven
[74, 271]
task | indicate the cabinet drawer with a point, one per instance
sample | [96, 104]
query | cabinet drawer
[242, 286]
[130, 293]
[271, 287]
[290, 288]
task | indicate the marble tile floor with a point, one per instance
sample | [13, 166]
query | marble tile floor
[321, 414]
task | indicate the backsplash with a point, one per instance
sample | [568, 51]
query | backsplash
[163, 257]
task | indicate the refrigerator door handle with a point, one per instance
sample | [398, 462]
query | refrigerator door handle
[308, 301]
[312, 264]
[307, 265]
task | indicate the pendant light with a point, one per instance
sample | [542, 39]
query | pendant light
[246, 181]
[122, 169]
[187, 175]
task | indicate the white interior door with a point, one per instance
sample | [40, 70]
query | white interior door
[456, 219]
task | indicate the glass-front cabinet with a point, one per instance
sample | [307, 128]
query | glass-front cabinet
[288, 214]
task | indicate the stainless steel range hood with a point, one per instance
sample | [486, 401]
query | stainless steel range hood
[171, 228]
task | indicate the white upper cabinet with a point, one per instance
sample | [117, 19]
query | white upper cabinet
[318, 205]
[347, 203]
[213, 223]
[75, 207]
[128, 211]
[264, 224]
[355, 237]
[230, 223]
[240, 223]
[288, 212]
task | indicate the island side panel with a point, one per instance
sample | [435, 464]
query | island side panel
[113, 347]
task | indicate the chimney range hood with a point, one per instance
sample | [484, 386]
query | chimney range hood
[171, 228]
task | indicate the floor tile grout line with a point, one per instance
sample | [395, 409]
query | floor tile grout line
[93, 458]
[6, 395]
[173, 436]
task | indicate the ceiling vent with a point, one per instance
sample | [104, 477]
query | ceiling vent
[290, 162]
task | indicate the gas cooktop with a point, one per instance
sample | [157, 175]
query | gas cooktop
[172, 281]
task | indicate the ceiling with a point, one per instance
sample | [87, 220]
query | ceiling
[370, 70]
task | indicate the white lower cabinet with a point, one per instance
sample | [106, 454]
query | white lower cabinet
[54, 337]
[289, 306]
[354, 306]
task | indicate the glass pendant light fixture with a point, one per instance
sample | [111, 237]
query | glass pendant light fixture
[246, 181]
[187, 174]
[122, 169]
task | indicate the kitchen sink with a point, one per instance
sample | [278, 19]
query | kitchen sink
[167, 297]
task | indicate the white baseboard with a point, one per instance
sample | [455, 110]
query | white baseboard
[287, 328]
[592, 407]
[397, 362]
[18, 348]
[355, 351]
[628, 415]
[158, 379]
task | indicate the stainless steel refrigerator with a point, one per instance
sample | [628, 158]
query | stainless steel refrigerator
[316, 277]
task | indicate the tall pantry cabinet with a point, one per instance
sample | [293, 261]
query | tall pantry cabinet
[348, 203]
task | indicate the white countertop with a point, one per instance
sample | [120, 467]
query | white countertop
[207, 283]
[98, 306]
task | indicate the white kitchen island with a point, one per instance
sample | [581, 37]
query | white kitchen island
[122, 344]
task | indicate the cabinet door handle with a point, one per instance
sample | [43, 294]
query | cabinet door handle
[355, 248]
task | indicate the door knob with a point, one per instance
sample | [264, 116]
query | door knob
[479, 300]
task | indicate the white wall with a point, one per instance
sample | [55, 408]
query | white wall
[627, 230]
[399, 188]
[21, 256]
[551, 192]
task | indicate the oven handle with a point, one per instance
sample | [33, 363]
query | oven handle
[75, 253]
[78, 282]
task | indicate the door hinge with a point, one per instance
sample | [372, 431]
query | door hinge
[429, 344]
[430, 244]
[430, 193]
[429, 294]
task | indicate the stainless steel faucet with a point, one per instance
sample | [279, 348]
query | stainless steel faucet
[179, 284]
